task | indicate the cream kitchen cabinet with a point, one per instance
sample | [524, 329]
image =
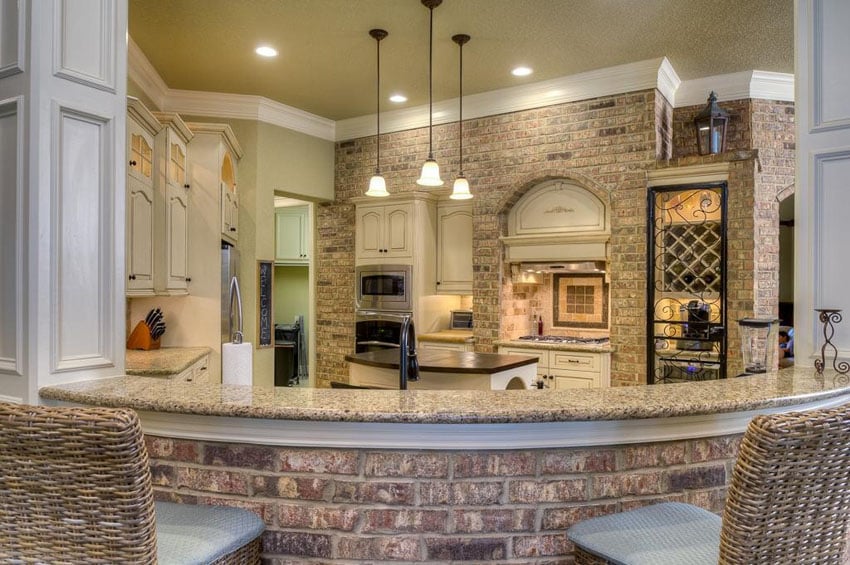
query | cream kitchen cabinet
[454, 248]
[142, 128]
[214, 153]
[443, 346]
[171, 225]
[198, 372]
[292, 235]
[384, 231]
[561, 369]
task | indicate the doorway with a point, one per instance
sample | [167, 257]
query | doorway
[293, 292]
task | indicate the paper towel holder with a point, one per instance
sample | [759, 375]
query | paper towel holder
[236, 337]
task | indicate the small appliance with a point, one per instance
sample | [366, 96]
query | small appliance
[460, 320]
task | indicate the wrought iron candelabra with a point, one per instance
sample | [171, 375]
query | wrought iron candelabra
[829, 317]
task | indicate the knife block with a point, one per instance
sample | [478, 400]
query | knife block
[140, 338]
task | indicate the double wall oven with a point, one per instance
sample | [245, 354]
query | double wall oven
[383, 292]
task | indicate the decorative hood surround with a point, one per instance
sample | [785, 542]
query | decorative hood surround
[558, 220]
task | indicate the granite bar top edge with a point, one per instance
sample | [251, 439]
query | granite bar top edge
[773, 390]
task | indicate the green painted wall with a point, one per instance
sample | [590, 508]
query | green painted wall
[295, 163]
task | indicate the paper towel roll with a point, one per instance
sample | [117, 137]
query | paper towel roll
[237, 364]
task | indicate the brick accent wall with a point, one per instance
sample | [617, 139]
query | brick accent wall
[606, 145]
[513, 506]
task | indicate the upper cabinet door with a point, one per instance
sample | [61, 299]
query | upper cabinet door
[398, 225]
[454, 249]
[140, 206]
[292, 235]
[229, 199]
[370, 232]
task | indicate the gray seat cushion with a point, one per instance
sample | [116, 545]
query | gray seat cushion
[671, 533]
[188, 533]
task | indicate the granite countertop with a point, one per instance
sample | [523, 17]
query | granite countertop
[448, 336]
[785, 388]
[162, 362]
[445, 361]
[593, 348]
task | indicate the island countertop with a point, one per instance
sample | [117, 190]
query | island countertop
[789, 387]
[436, 361]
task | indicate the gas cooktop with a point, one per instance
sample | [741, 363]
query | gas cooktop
[565, 339]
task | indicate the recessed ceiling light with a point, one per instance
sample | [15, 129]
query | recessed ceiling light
[266, 51]
[398, 98]
[522, 71]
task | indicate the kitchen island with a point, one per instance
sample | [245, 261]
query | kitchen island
[435, 476]
[445, 370]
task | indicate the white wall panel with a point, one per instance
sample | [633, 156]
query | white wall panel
[831, 81]
[12, 36]
[11, 237]
[83, 216]
[832, 202]
[84, 49]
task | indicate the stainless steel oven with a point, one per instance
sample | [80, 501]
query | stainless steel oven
[384, 287]
[374, 332]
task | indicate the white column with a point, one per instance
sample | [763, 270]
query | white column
[63, 75]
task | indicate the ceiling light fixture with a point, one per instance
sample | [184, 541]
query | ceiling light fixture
[430, 170]
[266, 51]
[377, 184]
[398, 98]
[460, 190]
[522, 71]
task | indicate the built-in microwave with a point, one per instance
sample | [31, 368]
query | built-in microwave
[383, 287]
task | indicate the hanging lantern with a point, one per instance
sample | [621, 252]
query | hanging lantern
[711, 127]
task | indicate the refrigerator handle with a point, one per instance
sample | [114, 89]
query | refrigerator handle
[234, 292]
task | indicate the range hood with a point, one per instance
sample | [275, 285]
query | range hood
[566, 267]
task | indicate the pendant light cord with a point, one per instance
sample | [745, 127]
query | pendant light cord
[378, 109]
[460, 114]
[430, 85]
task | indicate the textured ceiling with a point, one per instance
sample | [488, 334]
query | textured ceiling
[326, 64]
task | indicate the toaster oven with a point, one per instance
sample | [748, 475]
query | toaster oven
[461, 320]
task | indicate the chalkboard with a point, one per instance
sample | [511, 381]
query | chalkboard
[265, 280]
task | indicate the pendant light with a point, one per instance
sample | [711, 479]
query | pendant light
[430, 170]
[377, 184]
[460, 190]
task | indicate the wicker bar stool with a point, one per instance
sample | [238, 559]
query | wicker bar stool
[788, 503]
[75, 487]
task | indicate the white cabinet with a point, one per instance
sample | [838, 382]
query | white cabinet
[214, 154]
[568, 369]
[142, 128]
[198, 372]
[384, 231]
[454, 248]
[171, 208]
[292, 235]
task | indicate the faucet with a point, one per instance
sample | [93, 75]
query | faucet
[408, 364]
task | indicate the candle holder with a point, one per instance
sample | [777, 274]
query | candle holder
[829, 317]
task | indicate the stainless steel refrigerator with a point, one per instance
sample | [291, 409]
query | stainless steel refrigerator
[229, 269]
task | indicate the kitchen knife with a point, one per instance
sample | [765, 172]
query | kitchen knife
[149, 318]
[158, 330]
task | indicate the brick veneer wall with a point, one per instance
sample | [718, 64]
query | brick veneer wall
[606, 145]
[512, 506]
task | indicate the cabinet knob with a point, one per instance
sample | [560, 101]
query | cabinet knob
[438, 283]
[186, 186]
[188, 279]
[232, 229]
[132, 277]
[133, 163]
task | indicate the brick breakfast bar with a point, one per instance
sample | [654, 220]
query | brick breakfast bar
[346, 476]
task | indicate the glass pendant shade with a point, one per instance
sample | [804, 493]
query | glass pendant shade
[430, 174]
[377, 186]
[460, 190]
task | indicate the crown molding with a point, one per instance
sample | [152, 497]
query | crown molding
[736, 86]
[140, 71]
[641, 75]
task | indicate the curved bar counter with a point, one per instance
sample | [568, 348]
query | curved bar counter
[435, 476]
